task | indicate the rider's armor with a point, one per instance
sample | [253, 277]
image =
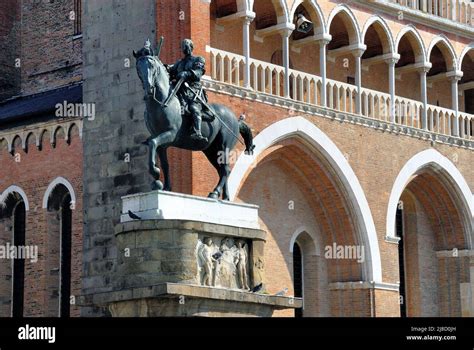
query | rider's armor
[194, 66]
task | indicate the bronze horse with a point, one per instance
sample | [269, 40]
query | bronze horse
[168, 126]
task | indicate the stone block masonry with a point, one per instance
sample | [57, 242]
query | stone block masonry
[112, 29]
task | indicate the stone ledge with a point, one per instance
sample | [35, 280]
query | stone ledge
[177, 206]
[186, 225]
[364, 285]
[169, 290]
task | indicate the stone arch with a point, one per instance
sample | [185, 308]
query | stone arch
[416, 42]
[464, 52]
[299, 126]
[57, 181]
[436, 160]
[281, 9]
[446, 49]
[349, 20]
[380, 23]
[15, 189]
[314, 238]
[59, 131]
[315, 12]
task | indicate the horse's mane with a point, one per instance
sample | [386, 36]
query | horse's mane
[157, 61]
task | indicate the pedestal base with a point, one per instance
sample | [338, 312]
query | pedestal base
[174, 299]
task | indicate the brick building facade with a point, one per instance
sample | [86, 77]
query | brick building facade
[363, 130]
[40, 156]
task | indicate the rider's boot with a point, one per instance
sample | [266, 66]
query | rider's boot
[197, 128]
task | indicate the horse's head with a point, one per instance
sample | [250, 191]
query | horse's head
[149, 70]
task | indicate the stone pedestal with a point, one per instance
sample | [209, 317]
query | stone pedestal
[188, 255]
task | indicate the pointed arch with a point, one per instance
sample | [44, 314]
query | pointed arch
[314, 10]
[465, 51]
[413, 33]
[13, 189]
[53, 184]
[446, 48]
[347, 13]
[419, 161]
[299, 126]
[388, 33]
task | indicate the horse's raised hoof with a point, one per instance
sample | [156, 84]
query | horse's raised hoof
[156, 185]
[213, 195]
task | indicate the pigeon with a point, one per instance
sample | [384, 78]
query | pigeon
[257, 288]
[217, 255]
[133, 216]
[282, 292]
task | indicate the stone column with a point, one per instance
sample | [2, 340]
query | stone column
[424, 97]
[285, 35]
[358, 78]
[454, 77]
[322, 68]
[391, 61]
[247, 19]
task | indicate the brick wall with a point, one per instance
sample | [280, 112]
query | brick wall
[50, 54]
[10, 48]
[33, 173]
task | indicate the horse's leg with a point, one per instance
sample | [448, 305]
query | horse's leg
[162, 139]
[162, 153]
[213, 157]
[225, 188]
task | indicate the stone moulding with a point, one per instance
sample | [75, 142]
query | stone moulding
[174, 299]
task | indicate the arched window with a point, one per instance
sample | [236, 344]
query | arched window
[298, 276]
[401, 259]
[19, 215]
[59, 226]
[12, 270]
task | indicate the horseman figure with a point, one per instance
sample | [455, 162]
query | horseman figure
[190, 69]
[169, 98]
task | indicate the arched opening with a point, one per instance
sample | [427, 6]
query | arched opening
[410, 48]
[466, 89]
[19, 223]
[378, 42]
[12, 268]
[434, 233]
[305, 53]
[341, 65]
[298, 275]
[443, 61]
[294, 185]
[58, 259]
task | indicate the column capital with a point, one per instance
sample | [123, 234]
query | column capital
[455, 75]
[323, 39]
[424, 67]
[248, 17]
[286, 30]
[358, 50]
[391, 58]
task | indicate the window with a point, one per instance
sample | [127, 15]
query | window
[298, 276]
[401, 261]
[19, 214]
[77, 17]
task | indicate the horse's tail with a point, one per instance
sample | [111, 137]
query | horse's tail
[246, 133]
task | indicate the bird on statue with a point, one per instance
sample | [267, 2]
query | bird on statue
[257, 288]
[133, 216]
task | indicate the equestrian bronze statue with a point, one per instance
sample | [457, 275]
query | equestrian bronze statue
[178, 114]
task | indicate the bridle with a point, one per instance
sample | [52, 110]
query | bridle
[155, 74]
